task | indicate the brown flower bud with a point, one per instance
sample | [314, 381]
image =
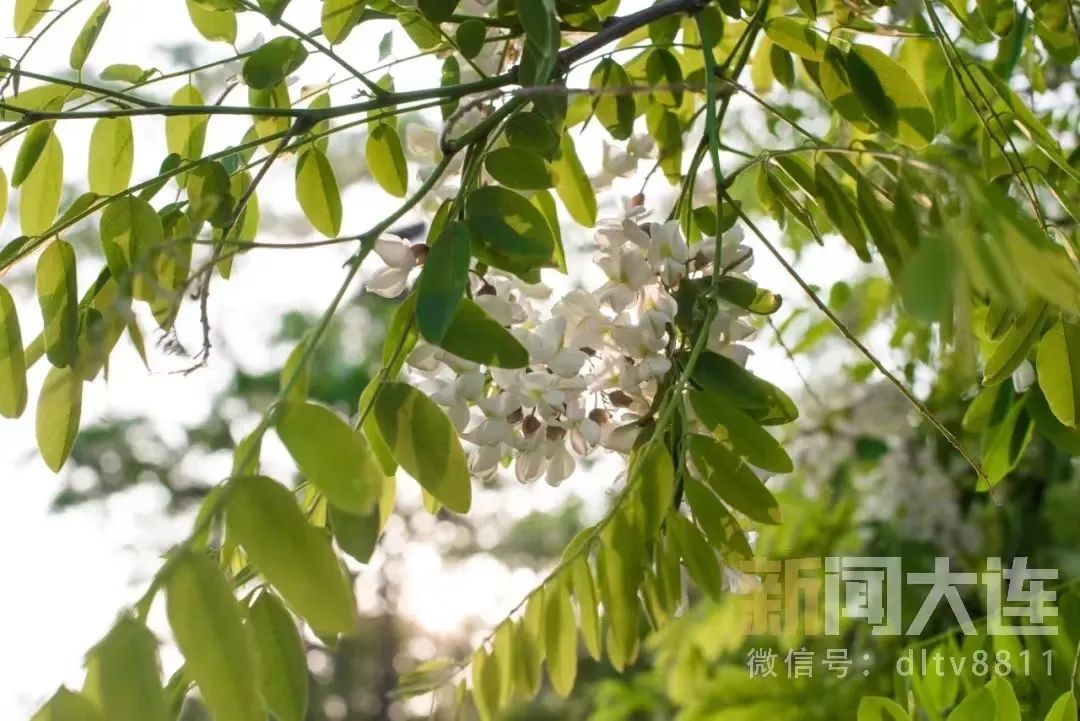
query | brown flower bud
[588, 351]
[486, 289]
[515, 417]
[556, 433]
[599, 416]
[530, 425]
[637, 201]
[419, 251]
[620, 399]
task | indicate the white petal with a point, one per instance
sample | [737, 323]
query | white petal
[560, 467]
[388, 282]
[395, 252]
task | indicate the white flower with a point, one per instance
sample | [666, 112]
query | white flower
[668, 253]
[390, 282]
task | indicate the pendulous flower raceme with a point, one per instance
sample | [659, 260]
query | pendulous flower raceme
[597, 356]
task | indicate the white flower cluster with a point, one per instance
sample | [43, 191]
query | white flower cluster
[595, 356]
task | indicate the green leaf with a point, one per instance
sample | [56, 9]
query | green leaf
[294, 556]
[701, 560]
[542, 38]
[207, 625]
[545, 203]
[1008, 708]
[386, 160]
[58, 297]
[508, 231]
[88, 36]
[330, 454]
[976, 706]
[41, 191]
[474, 335]
[425, 444]
[738, 430]
[58, 411]
[283, 668]
[185, 135]
[1014, 346]
[126, 73]
[12, 359]
[30, 152]
[112, 155]
[318, 194]
[721, 528]
[356, 535]
[796, 36]
[130, 231]
[664, 73]
[28, 13]
[733, 480]
[296, 373]
[756, 397]
[41, 97]
[613, 105]
[619, 571]
[746, 294]
[66, 705]
[470, 37]
[272, 63]
[1064, 709]
[879, 708]
[3, 195]
[122, 674]
[208, 193]
[841, 211]
[1058, 363]
[519, 169]
[1062, 436]
[485, 678]
[584, 588]
[560, 639]
[890, 97]
[442, 282]
[339, 17]
[214, 25]
[573, 184]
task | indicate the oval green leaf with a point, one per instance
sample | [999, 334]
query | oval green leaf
[207, 624]
[283, 668]
[386, 160]
[112, 155]
[12, 359]
[424, 443]
[330, 455]
[58, 411]
[294, 556]
[123, 674]
[317, 191]
[58, 297]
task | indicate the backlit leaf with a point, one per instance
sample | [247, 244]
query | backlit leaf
[283, 668]
[12, 360]
[756, 397]
[890, 97]
[1058, 363]
[519, 169]
[294, 556]
[123, 674]
[733, 480]
[185, 135]
[573, 185]
[330, 455]
[386, 160]
[66, 705]
[560, 639]
[339, 17]
[207, 624]
[58, 411]
[425, 444]
[273, 62]
[41, 191]
[58, 298]
[475, 336]
[318, 194]
[28, 13]
[112, 155]
[216, 25]
[88, 36]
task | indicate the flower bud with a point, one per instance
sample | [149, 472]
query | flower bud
[637, 201]
[419, 251]
[556, 433]
[530, 425]
[599, 416]
[620, 399]
[515, 417]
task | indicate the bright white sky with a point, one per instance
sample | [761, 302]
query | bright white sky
[66, 576]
